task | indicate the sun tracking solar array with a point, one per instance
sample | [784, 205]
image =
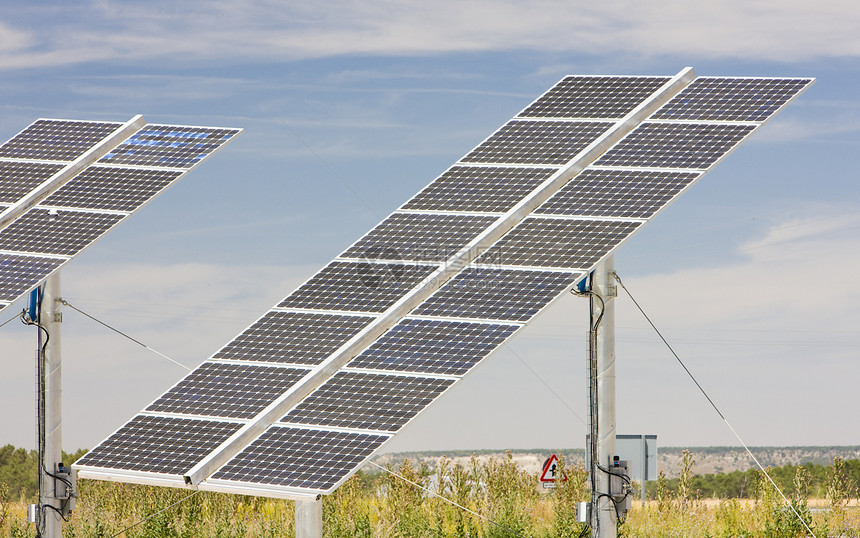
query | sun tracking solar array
[66, 201]
[430, 323]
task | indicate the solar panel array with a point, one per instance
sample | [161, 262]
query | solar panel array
[399, 317]
[92, 197]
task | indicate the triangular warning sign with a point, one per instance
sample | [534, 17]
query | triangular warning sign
[552, 470]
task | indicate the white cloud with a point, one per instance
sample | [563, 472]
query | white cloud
[767, 29]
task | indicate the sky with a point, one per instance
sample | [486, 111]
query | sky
[350, 108]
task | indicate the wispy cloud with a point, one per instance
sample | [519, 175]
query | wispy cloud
[768, 29]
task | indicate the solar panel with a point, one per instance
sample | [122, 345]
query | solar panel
[433, 346]
[80, 200]
[617, 193]
[57, 140]
[357, 286]
[293, 337]
[60, 232]
[537, 142]
[418, 237]
[431, 318]
[560, 243]
[112, 188]
[367, 401]
[18, 178]
[300, 458]
[18, 272]
[732, 99]
[156, 444]
[676, 145]
[584, 97]
[169, 146]
[227, 390]
[497, 294]
[479, 189]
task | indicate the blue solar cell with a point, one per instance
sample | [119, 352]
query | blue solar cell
[433, 346]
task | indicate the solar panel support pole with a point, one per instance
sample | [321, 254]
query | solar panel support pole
[51, 318]
[603, 515]
[309, 518]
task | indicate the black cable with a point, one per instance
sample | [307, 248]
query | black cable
[619, 475]
[57, 477]
[57, 510]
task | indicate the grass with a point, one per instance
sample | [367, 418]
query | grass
[508, 498]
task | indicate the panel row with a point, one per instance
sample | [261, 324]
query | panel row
[732, 99]
[57, 140]
[170, 146]
[593, 97]
[19, 274]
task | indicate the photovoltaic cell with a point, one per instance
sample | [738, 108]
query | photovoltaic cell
[418, 237]
[562, 243]
[357, 287]
[675, 145]
[594, 97]
[433, 346]
[64, 233]
[537, 142]
[479, 189]
[617, 193]
[159, 444]
[57, 140]
[732, 99]
[117, 189]
[20, 274]
[496, 294]
[293, 337]
[227, 390]
[367, 401]
[170, 146]
[19, 178]
[300, 458]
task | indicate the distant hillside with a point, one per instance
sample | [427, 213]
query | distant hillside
[708, 459]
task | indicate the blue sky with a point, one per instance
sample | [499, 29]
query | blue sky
[348, 110]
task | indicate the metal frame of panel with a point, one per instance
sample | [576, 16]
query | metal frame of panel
[202, 474]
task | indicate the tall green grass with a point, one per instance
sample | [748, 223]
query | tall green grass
[502, 501]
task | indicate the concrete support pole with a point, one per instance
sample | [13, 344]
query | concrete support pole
[603, 508]
[309, 518]
[51, 320]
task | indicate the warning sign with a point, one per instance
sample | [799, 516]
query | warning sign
[552, 472]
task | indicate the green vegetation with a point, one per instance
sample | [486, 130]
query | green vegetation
[18, 470]
[508, 498]
[742, 484]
